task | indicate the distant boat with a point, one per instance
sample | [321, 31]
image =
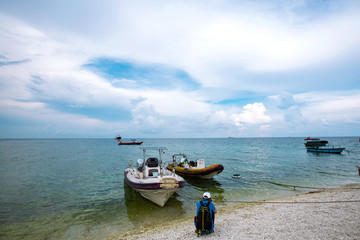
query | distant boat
[117, 137]
[325, 149]
[320, 146]
[132, 142]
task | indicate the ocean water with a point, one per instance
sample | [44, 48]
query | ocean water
[74, 188]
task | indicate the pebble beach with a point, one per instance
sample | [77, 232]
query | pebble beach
[324, 214]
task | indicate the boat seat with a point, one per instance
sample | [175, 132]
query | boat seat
[193, 164]
[152, 162]
[153, 172]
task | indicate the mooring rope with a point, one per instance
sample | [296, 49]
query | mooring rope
[294, 186]
[287, 202]
[281, 202]
[306, 202]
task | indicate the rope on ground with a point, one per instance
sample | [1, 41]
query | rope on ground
[321, 202]
[285, 202]
[281, 202]
[294, 186]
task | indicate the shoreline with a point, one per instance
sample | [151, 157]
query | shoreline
[325, 214]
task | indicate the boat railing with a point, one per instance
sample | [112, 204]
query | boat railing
[329, 147]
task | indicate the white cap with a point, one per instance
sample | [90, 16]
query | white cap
[182, 160]
[207, 195]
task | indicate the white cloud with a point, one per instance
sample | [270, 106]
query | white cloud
[51, 122]
[147, 119]
[253, 114]
[331, 106]
[221, 47]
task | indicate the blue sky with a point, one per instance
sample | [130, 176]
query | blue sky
[161, 68]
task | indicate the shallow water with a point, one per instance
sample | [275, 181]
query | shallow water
[74, 188]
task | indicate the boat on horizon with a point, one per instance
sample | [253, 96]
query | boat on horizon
[132, 142]
[196, 168]
[151, 180]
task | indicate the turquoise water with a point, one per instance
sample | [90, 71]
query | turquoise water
[74, 188]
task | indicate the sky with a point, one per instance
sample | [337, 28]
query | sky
[179, 69]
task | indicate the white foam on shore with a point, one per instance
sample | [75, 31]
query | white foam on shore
[328, 214]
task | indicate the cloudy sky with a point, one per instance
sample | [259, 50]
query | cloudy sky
[159, 68]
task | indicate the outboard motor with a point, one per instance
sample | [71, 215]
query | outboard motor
[140, 164]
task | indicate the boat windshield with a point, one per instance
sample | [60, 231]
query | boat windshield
[160, 149]
[178, 155]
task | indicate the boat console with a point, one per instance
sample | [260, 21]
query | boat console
[152, 168]
[152, 162]
[200, 163]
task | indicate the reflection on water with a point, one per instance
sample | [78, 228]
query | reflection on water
[142, 212]
[205, 185]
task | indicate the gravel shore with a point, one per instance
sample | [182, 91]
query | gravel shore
[326, 214]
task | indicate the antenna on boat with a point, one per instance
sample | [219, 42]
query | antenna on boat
[131, 166]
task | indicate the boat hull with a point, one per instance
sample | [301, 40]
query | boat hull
[325, 150]
[158, 189]
[205, 173]
[159, 197]
[130, 143]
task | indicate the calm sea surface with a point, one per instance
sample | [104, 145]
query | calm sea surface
[74, 188]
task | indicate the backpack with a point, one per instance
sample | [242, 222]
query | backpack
[203, 221]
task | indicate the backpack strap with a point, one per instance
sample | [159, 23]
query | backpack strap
[205, 204]
[202, 204]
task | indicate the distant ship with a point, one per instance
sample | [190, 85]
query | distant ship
[132, 142]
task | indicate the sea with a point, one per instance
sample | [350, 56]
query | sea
[75, 189]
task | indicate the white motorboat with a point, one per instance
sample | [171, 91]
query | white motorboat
[151, 180]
